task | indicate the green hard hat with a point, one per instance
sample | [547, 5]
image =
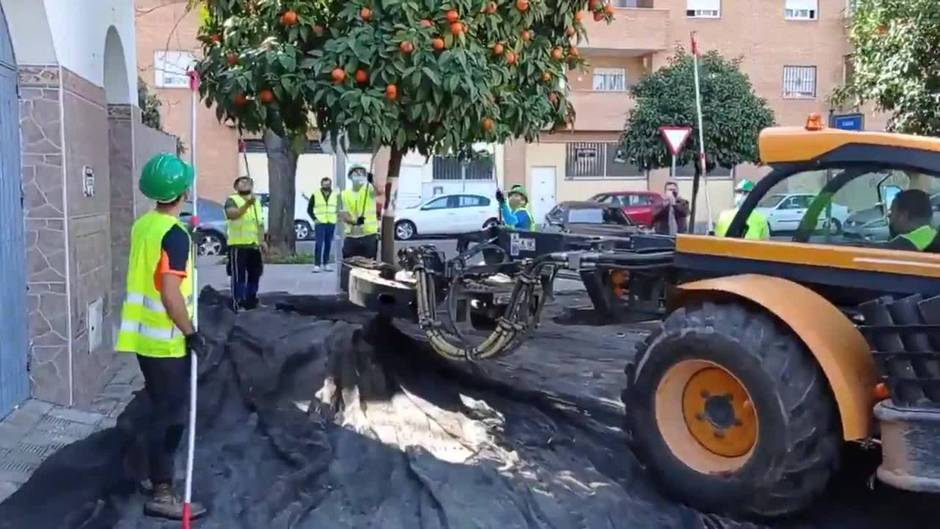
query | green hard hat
[744, 185]
[519, 189]
[166, 177]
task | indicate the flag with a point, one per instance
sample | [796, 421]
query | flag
[194, 80]
[695, 46]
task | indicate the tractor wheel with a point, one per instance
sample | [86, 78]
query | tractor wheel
[730, 413]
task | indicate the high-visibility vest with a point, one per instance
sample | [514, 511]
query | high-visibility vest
[146, 328]
[920, 238]
[361, 204]
[325, 208]
[246, 230]
[757, 226]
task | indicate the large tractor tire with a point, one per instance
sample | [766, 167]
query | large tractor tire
[731, 414]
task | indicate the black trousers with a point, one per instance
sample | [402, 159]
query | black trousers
[245, 267]
[365, 246]
[166, 381]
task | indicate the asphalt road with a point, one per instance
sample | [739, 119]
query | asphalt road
[449, 246]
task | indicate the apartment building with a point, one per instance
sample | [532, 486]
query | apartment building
[794, 52]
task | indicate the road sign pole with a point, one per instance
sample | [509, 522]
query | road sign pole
[672, 170]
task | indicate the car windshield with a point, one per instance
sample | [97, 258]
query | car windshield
[586, 216]
[770, 201]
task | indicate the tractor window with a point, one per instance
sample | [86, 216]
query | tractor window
[842, 206]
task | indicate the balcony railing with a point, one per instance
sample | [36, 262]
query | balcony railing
[601, 111]
[635, 30]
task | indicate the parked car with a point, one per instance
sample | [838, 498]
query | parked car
[303, 224]
[871, 224]
[590, 218]
[446, 215]
[211, 233]
[784, 211]
[638, 205]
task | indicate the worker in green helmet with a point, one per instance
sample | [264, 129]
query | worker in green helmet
[516, 211]
[157, 322]
[757, 226]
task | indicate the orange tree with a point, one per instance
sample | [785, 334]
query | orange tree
[431, 76]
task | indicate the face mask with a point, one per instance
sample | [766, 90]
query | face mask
[358, 180]
[244, 192]
[326, 187]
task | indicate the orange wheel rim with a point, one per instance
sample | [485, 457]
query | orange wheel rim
[719, 413]
[706, 417]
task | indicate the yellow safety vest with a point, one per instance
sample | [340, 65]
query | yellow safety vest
[146, 328]
[361, 204]
[757, 225]
[248, 229]
[325, 208]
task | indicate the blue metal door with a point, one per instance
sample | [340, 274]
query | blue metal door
[14, 380]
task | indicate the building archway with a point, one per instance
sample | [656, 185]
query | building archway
[115, 70]
[14, 347]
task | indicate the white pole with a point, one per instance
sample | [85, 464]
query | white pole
[194, 363]
[701, 136]
[672, 171]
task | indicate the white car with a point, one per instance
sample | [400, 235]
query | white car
[446, 215]
[303, 224]
[784, 211]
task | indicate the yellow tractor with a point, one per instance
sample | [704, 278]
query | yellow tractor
[775, 353]
[772, 355]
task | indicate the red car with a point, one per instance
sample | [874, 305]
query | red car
[638, 205]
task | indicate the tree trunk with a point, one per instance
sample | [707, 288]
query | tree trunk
[282, 173]
[388, 212]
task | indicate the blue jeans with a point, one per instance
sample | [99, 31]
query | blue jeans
[324, 241]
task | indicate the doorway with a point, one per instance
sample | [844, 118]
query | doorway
[542, 192]
[14, 379]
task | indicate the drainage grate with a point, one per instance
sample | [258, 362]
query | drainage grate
[50, 423]
[8, 465]
[40, 450]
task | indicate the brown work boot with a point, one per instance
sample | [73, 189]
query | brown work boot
[165, 503]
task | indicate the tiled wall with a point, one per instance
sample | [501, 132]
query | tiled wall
[74, 259]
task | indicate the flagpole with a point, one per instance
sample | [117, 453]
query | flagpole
[701, 134]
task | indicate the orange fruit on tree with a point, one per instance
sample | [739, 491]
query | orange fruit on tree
[579, 16]
[574, 52]
[290, 18]
[241, 100]
[362, 76]
[456, 28]
[526, 35]
[425, 23]
[570, 31]
[391, 92]
[491, 8]
[338, 75]
[216, 38]
[453, 16]
[232, 58]
[365, 13]
[498, 49]
[488, 124]
[609, 9]
[557, 54]
[598, 16]
[406, 47]
[266, 96]
[437, 44]
[511, 58]
[546, 76]
[522, 5]
[319, 30]
[595, 5]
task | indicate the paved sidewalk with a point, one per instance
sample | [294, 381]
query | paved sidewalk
[37, 429]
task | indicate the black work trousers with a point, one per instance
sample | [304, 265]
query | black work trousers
[365, 246]
[245, 267]
[166, 382]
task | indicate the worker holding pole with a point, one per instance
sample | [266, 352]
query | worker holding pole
[157, 322]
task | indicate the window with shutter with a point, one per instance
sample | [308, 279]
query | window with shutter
[799, 82]
[801, 9]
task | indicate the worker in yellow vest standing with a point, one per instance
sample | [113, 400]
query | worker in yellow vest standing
[323, 208]
[358, 213]
[757, 226]
[245, 243]
[156, 322]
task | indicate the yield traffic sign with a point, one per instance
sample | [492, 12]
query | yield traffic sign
[675, 138]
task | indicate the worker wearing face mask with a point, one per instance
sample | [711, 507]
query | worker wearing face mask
[322, 208]
[245, 243]
[358, 213]
[757, 226]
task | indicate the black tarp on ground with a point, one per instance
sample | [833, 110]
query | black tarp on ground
[397, 439]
